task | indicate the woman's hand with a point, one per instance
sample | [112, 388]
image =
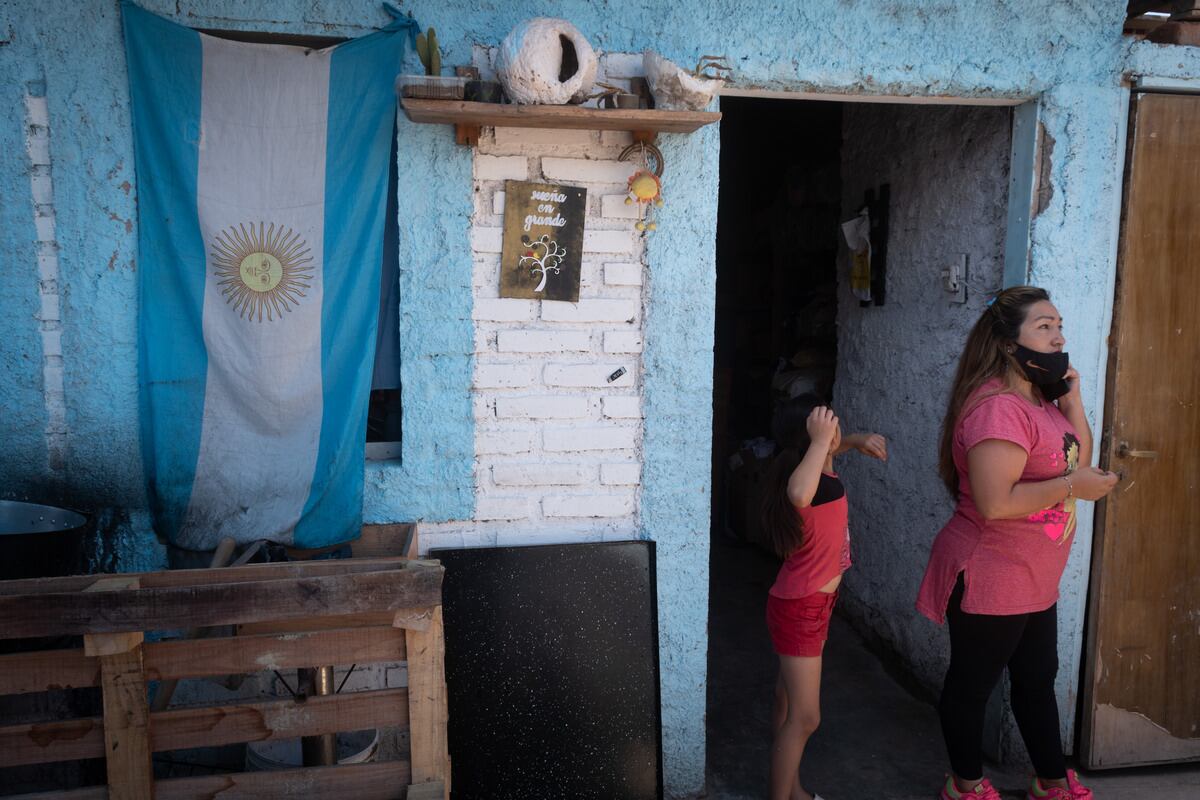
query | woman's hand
[1090, 483]
[871, 444]
[822, 427]
[1072, 398]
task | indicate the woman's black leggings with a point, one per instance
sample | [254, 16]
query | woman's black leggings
[981, 645]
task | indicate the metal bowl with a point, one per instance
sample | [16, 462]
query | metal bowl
[39, 541]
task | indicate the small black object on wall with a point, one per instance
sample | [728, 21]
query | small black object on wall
[552, 671]
[878, 208]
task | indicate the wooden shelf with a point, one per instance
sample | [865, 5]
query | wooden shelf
[468, 118]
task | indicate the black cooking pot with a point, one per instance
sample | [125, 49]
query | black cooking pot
[40, 541]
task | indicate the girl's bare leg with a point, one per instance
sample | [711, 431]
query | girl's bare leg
[797, 715]
[778, 717]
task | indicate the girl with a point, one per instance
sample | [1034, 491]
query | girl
[805, 515]
[1011, 457]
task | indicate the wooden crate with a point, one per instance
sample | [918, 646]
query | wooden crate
[288, 615]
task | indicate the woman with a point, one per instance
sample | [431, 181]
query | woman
[1015, 451]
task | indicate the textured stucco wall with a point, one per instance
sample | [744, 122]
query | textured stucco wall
[677, 449]
[948, 171]
[1070, 54]
[1073, 245]
[432, 480]
[24, 465]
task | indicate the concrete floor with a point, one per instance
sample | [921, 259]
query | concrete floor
[876, 738]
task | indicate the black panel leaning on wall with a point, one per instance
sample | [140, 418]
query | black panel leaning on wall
[552, 671]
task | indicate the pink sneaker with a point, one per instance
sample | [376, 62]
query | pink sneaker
[984, 791]
[1078, 790]
[1037, 791]
[1074, 791]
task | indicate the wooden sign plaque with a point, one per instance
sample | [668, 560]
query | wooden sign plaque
[543, 241]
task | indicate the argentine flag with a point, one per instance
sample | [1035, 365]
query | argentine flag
[262, 173]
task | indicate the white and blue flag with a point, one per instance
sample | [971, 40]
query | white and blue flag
[262, 173]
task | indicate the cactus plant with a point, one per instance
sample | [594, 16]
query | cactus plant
[428, 52]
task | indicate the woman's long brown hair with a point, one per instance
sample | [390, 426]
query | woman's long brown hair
[985, 356]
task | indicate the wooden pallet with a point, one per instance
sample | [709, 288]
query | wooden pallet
[289, 615]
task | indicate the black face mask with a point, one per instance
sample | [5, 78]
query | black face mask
[1044, 370]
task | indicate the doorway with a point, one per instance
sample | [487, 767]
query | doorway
[935, 180]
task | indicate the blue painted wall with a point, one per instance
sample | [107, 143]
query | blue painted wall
[1071, 54]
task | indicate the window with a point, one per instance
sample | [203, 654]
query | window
[384, 411]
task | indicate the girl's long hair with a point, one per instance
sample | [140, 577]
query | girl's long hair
[985, 356]
[789, 429]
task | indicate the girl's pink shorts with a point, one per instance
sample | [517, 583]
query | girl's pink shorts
[800, 626]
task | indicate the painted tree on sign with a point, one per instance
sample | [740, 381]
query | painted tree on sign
[542, 256]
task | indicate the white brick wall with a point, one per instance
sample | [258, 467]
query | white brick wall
[592, 311]
[557, 445]
[614, 205]
[499, 168]
[542, 407]
[622, 341]
[597, 505]
[41, 191]
[620, 474]
[504, 376]
[542, 341]
[504, 310]
[623, 274]
[627, 407]
[583, 170]
[618, 241]
[591, 374]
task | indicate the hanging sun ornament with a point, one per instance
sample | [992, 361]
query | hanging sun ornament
[261, 270]
[645, 184]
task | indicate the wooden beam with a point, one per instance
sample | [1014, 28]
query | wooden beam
[197, 658]
[414, 619]
[46, 670]
[47, 742]
[428, 713]
[126, 733]
[319, 623]
[412, 543]
[278, 719]
[434, 790]
[381, 781]
[377, 541]
[210, 726]
[174, 608]
[123, 687]
[458, 112]
[284, 570]
[467, 134]
[87, 793]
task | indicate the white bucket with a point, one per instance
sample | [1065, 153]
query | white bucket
[354, 747]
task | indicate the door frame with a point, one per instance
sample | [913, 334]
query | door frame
[1025, 163]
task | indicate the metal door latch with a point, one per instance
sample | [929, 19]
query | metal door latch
[1123, 451]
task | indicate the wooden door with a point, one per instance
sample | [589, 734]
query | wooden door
[1142, 684]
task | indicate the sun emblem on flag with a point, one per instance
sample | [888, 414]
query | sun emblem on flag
[262, 270]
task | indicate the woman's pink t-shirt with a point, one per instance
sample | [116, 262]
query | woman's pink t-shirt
[824, 551]
[1009, 566]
